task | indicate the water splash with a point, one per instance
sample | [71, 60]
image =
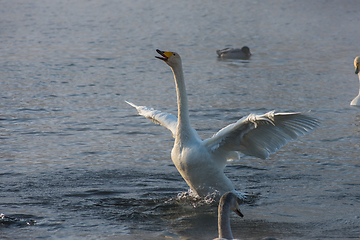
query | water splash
[195, 200]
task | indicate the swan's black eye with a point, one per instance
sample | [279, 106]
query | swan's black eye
[174, 54]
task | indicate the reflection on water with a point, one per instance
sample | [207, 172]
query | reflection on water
[77, 162]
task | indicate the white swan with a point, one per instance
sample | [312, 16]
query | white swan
[201, 163]
[233, 53]
[228, 201]
[356, 101]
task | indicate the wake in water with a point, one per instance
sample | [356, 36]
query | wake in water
[16, 220]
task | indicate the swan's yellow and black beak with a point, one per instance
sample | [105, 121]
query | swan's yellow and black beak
[164, 55]
[357, 64]
[237, 211]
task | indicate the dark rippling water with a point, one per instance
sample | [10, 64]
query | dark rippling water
[76, 162]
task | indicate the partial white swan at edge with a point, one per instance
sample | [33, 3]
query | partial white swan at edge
[229, 201]
[201, 162]
[356, 101]
[234, 53]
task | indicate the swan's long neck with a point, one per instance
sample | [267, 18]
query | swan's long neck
[224, 220]
[359, 82]
[184, 130]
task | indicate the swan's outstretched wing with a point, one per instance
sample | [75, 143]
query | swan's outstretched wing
[167, 120]
[260, 135]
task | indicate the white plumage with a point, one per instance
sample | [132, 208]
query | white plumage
[356, 101]
[201, 162]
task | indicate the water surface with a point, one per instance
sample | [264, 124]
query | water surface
[79, 163]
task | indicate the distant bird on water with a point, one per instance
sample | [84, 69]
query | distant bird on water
[234, 53]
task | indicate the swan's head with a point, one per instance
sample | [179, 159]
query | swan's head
[357, 64]
[171, 58]
[231, 199]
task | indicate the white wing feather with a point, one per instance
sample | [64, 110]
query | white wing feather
[167, 120]
[260, 135]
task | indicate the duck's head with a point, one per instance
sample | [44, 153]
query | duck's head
[357, 64]
[171, 58]
[246, 50]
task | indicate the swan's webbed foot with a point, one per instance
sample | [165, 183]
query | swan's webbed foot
[246, 197]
